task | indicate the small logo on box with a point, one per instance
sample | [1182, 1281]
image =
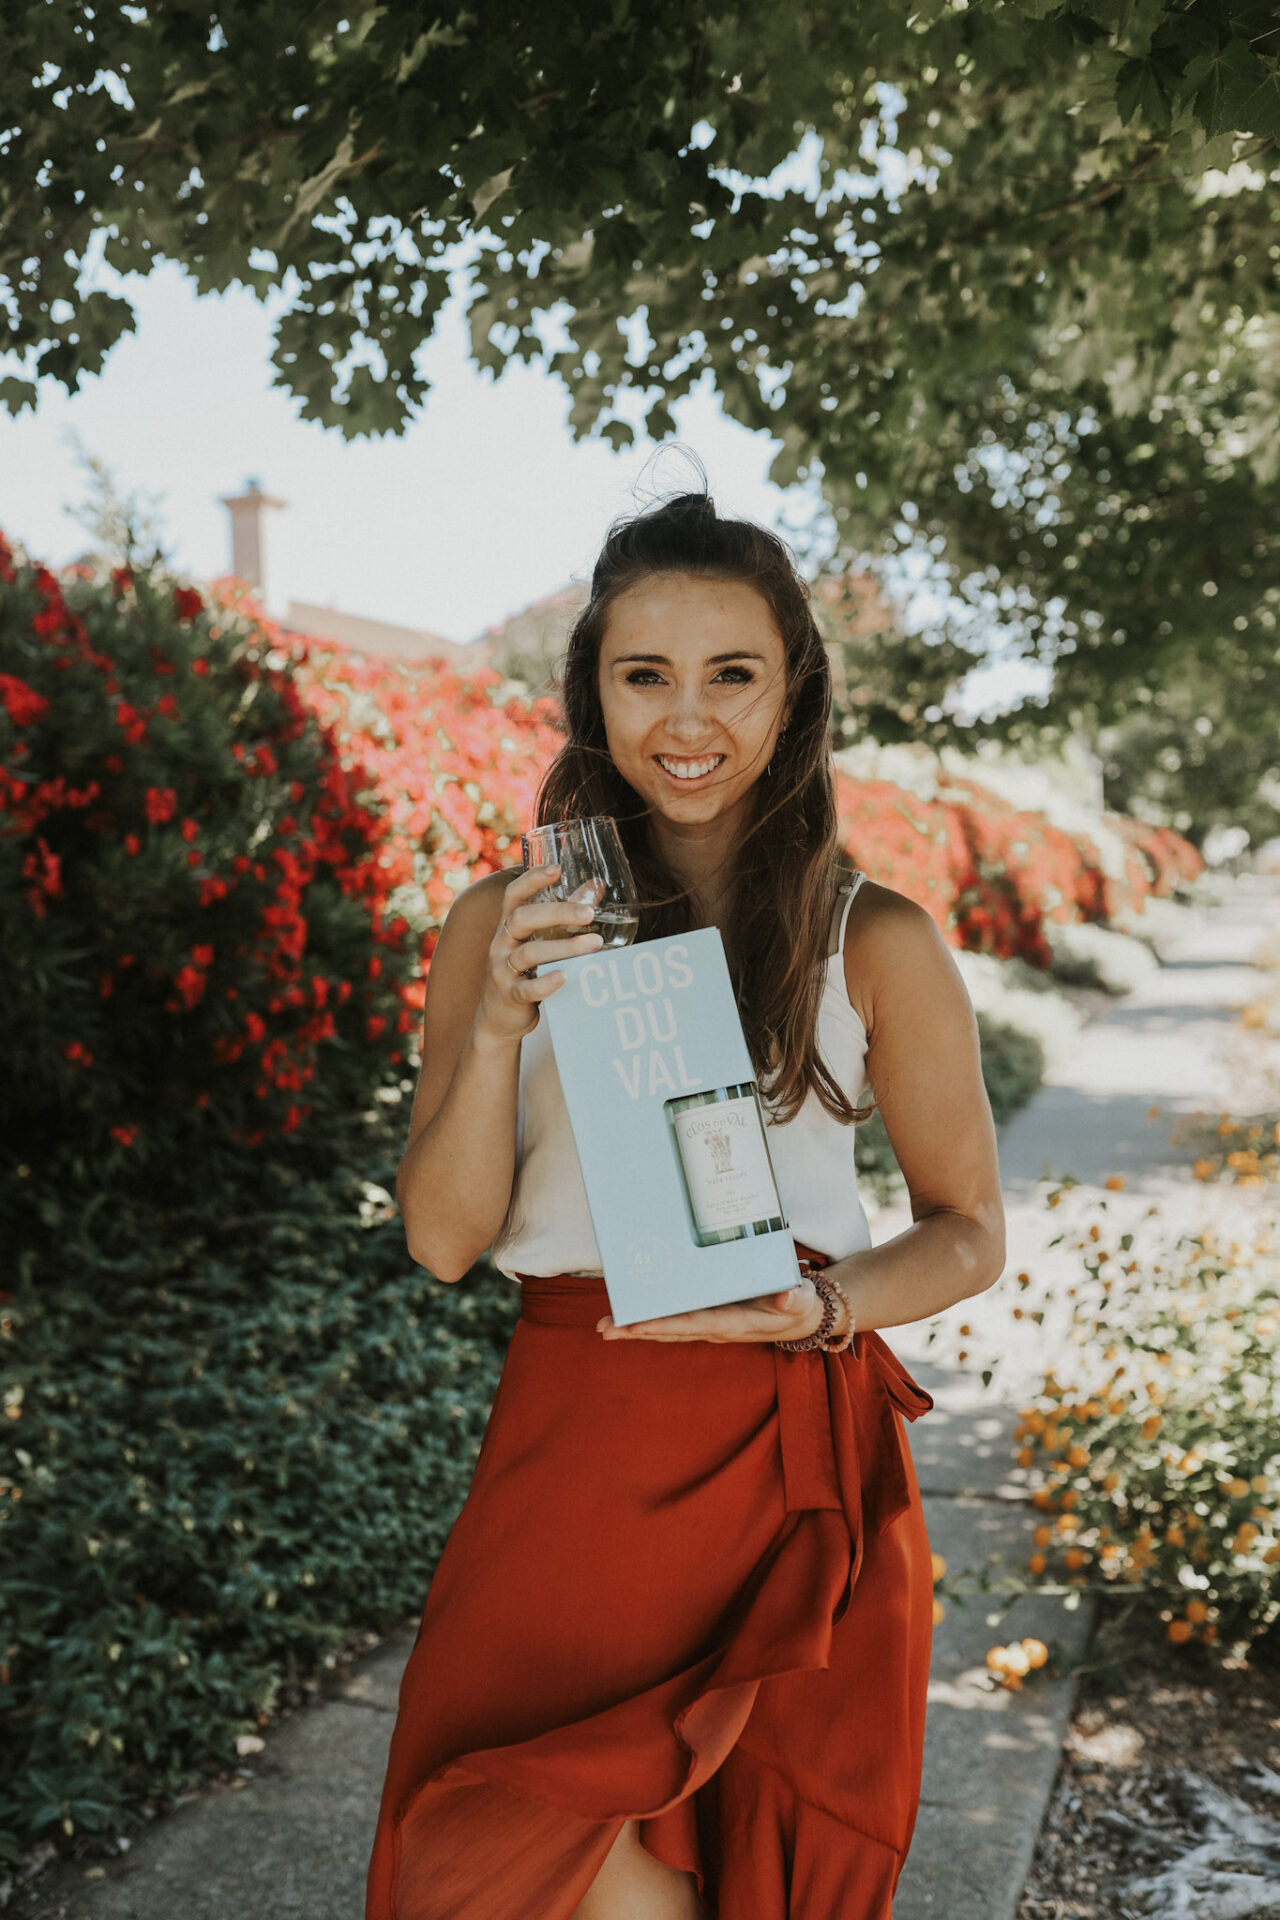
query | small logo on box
[650, 1258]
[721, 1150]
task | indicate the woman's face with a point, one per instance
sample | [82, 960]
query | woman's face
[692, 679]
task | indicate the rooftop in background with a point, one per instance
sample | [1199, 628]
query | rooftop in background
[381, 637]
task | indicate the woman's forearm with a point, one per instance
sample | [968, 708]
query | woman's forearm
[454, 1183]
[941, 1258]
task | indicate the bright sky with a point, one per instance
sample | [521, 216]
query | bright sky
[483, 505]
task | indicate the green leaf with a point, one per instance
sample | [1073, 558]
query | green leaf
[16, 395]
[1141, 87]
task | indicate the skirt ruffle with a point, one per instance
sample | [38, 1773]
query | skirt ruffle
[690, 1586]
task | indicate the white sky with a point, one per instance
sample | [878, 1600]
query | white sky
[483, 505]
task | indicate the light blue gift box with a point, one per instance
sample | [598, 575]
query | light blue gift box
[632, 1029]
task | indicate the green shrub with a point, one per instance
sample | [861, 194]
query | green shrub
[1012, 1066]
[235, 1444]
[197, 965]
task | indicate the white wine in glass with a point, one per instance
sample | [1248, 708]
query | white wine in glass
[593, 867]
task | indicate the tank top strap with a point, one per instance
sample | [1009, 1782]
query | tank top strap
[849, 888]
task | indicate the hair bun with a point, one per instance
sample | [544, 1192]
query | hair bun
[682, 506]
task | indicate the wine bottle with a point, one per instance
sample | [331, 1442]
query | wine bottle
[723, 1150]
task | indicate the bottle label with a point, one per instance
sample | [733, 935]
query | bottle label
[726, 1164]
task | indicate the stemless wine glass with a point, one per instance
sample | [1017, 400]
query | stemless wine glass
[592, 867]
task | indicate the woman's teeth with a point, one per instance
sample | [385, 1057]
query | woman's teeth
[689, 769]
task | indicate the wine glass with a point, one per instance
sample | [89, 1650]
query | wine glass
[592, 867]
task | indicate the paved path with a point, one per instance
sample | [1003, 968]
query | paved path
[291, 1837]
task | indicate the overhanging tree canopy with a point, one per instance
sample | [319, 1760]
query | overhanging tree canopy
[1022, 276]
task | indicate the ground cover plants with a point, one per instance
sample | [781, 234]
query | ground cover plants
[232, 1446]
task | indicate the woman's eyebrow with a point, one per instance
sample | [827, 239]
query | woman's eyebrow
[661, 660]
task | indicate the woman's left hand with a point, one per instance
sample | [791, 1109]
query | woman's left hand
[791, 1314]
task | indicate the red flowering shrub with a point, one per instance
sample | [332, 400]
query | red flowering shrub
[200, 959]
[227, 852]
[458, 766]
[991, 874]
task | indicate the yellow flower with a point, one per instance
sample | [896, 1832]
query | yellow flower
[939, 1565]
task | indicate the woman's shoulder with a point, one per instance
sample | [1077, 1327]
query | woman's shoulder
[473, 919]
[893, 948]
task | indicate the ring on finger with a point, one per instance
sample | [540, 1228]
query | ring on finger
[518, 971]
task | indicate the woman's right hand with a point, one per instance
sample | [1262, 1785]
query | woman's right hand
[512, 991]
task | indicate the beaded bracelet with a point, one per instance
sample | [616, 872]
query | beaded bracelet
[827, 1288]
[838, 1346]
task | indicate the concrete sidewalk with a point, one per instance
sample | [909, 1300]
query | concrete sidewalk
[291, 1835]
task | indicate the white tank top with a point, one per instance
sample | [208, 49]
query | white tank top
[548, 1224]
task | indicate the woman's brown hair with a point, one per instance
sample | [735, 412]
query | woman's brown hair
[782, 880]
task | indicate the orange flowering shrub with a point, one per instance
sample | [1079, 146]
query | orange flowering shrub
[200, 954]
[1155, 1451]
[1239, 1152]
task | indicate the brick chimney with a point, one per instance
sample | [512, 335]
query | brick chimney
[248, 544]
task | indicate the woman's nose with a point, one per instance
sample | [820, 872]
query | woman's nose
[689, 715]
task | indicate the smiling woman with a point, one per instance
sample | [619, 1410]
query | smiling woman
[698, 645]
[705, 713]
[673, 1660]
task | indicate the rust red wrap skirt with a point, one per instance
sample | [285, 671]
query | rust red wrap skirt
[690, 1586]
